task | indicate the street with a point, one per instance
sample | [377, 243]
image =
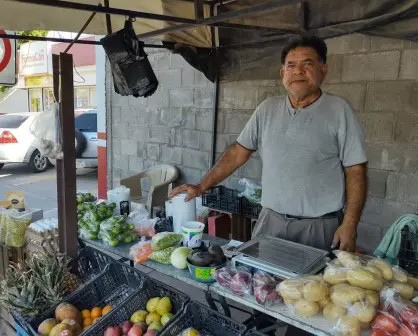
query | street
[41, 189]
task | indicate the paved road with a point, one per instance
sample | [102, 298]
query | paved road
[41, 189]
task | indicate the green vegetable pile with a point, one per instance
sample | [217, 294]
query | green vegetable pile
[116, 230]
[93, 216]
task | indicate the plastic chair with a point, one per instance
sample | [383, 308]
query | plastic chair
[161, 176]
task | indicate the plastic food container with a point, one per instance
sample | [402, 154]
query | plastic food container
[203, 274]
[192, 234]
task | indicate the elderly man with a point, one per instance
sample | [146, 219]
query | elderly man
[312, 148]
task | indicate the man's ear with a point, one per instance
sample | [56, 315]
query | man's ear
[281, 72]
[324, 70]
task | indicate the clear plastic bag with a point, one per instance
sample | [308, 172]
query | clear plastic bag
[163, 240]
[140, 252]
[252, 191]
[264, 289]
[46, 128]
[163, 256]
[238, 280]
[116, 230]
[224, 276]
[4, 215]
[144, 226]
[15, 231]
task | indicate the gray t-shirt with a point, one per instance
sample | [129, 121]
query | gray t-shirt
[303, 152]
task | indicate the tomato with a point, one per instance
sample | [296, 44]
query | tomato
[409, 315]
[386, 323]
[407, 329]
[378, 332]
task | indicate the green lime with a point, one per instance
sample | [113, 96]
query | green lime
[115, 231]
[127, 240]
[131, 226]
[80, 207]
[96, 218]
[92, 236]
[79, 199]
[112, 206]
[114, 243]
[109, 213]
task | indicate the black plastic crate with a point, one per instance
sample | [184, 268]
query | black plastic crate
[224, 199]
[250, 209]
[254, 333]
[138, 301]
[112, 287]
[88, 264]
[205, 320]
[408, 252]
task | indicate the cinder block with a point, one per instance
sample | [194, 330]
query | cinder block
[245, 98]
[384, 156]
[354, 93]
[396, 186]
[118, 100]
[409, 64]
[181, 97]
[222, 142]
[226, 97]
[348, 44]
[116, 114]
[122, 161]
[191, 139]
[130, 114]
[406, 129]
[171, 155]
[377, 183]
[378, 126]
[368, 236]
[149, 116]
[266, 92]
[136, 164]
[160, 134]
[252, 169]
[128, 147]
[410, 157]
[169, 78]
[159, 99]
[205, 141]
[370, 66]
[411, 192]
[189, 118]
[171, 116]
[115, 145]
[138, 132]
[190, 175]
[137, 102]
[410, 45]
[187, 77]
[335, 65]
[385, 43]
[387, 96]
[177, 61]
[236, 121]
[195, 159]
[160, 60]
[153, 151]
[142, 149]
[200, 79]
[120, 130]
[203, 98]
[204, 118]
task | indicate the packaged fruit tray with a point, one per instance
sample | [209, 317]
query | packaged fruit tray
[88, 264]
[153, 306]
[204, 321]
[109, 290]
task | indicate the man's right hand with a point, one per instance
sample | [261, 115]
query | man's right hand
[191, 189]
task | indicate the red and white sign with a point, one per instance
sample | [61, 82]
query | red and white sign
[8, 68]
[33, 58]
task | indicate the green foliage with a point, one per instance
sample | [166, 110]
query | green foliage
[30, 33]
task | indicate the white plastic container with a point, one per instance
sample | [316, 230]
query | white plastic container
[182, 211]
[118, 195]
[192, 234]
[169, 208]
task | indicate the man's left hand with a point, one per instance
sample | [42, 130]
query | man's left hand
[345, 237]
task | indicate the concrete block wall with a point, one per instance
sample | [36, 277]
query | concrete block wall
[380, 78]
[172, 126]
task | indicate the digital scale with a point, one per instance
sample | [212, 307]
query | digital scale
[279, 257]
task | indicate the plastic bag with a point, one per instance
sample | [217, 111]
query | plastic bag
[238, 280]
[163, 256]
[163, 240]
[141, 251]
[144, 226]
[189, 332]
[4, 215]
[15, 231]
[264, 289]
[116, 230]
[224, 276]
[46, 128]
[252, 191]
[164, 225]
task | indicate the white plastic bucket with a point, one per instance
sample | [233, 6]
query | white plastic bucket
[192, 234]
[182, 211]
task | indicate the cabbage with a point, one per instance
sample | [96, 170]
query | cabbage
[179, 257]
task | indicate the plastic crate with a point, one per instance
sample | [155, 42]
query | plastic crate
[224, 199]
[408, 252]
[250, 210]
[88, 264]
[254, 333]
[205, 320]
[138, 301]
[112, 287]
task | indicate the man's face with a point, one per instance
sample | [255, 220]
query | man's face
[303, 72]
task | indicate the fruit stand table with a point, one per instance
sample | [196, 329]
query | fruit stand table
[314, 325]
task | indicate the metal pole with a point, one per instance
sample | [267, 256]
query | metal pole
[215, 92]
[80, 32]
[198, 10]
[108, 19]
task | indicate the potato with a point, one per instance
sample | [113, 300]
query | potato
[363, 311]
[372, 297]
[406, 291]
[337, 287]
[413, 282]
[306, 308]
[315, 291]
[317, 277]
[364, 326]
[288, 301]
[348, 326]
[322, 303]
[333, 312]
[336, 262]
[348, 260]
[335, 275]
[346, 296]
[364, 279]
[383, 266]
[399, 274]
[292, 289]
[374, 270]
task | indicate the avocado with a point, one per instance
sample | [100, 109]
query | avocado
[201, 259]
[217, 252]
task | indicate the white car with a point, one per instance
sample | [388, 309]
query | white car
[17, 144]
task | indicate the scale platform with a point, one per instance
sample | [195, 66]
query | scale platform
[280, 257]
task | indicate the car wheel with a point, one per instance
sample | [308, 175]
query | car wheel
[38, 163]
[1, 165]
[80, 143]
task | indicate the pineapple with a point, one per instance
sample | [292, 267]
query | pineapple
[71, 282]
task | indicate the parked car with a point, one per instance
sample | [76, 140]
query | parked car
[85, 139]
[17, 144]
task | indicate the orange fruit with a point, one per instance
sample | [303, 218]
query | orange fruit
[87, 322]
[94, 321]
[106, 310]
[96, 312]
[86, 313]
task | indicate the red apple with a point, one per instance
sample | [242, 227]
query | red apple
[126, 326]
[135, 331]
[113, 331]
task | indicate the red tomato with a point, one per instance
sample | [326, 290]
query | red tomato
[386, 323]
[409, 315]
[378, 332]
[406, 329]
